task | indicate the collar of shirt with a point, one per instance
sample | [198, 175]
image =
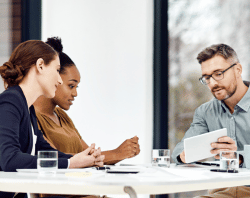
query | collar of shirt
[243, 104]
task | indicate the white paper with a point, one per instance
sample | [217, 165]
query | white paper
[128, 168]
[199, 147]
[92, 170]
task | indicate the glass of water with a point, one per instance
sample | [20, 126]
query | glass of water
[229, 160]
[161, 157]
[47, 162]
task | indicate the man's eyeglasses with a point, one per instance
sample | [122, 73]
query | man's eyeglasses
[218, 75]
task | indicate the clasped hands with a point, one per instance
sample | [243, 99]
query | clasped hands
[88, 157]
[224, 143]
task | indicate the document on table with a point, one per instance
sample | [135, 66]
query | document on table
[199, 147]
[60, 170]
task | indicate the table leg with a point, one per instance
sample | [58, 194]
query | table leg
[129, 190]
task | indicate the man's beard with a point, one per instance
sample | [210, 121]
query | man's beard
[228, 92]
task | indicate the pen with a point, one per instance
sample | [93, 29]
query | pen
[207, 164]
[102, 168]
[224, 171]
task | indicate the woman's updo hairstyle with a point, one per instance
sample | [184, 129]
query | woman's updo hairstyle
[25, 56]
[65, 60]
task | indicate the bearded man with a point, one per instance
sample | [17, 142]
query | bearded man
[230, 108]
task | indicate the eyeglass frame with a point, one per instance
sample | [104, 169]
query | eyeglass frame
[222, 72]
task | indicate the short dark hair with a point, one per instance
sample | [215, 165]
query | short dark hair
[65, 60]
[220, 49]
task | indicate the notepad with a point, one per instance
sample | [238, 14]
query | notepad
[199, 147]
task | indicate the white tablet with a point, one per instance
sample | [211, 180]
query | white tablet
[199, 147]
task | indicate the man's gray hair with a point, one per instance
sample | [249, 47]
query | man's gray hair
[220, 49]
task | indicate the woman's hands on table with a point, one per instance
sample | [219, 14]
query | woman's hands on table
[88, 157]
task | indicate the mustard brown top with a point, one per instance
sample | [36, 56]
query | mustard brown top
[65, 138]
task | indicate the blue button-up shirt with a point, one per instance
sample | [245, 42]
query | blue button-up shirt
[214, 115]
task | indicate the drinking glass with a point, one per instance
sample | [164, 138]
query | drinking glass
[229, 160]
[161, 157]
[47, 162]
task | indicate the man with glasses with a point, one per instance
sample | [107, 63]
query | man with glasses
[221, 73]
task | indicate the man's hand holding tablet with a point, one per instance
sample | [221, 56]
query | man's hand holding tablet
[198, 147]
[223, 143]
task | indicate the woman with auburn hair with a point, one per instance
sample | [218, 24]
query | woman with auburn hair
[32, 71]
[57, 127]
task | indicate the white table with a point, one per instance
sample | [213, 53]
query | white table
[152, 180]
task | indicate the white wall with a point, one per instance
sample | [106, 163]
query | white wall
[111, 42]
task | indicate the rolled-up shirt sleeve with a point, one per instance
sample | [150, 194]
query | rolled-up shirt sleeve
[198, 126]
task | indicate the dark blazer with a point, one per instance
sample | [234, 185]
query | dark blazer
[16, 134]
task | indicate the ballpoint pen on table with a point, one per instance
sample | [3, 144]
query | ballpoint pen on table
[224, 171]
[206, 163]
